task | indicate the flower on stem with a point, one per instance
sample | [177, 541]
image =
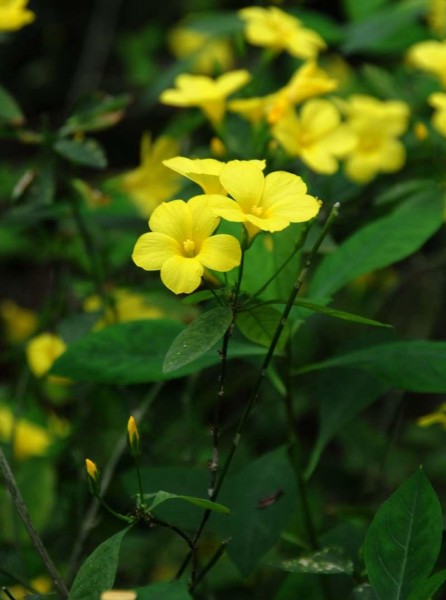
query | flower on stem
[151, 183]
[263, 203]
[377, 124]
[206, 52]
[277, 30]
[14, 15]
[133, 437]
[181, 245]
[94, 476]
[204, 171]
[429, 56]
[206, 93]
[18, 322]
[316, 135]
[438, 101]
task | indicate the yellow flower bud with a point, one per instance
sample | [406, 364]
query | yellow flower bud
[93, 476]
[134, 439]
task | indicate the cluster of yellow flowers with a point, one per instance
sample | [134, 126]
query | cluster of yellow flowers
[14, 15]
[180, 243]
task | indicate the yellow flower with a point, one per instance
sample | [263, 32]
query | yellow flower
[438, 416]
[19, 322]
[128, 306]
[436, 16]
[14, 15]
[275, 29]
[41, 584]
[151, 183]
[206, 53]
[438, 101]
[29, 439]
[429, 56]
[208, 94]
[181, 247]
[377, 125]
[204, 171]
[268, 203]
[133, 435]
[421, 131]
[42, 351]
[92, 469]
[317, 135]
[118, 595]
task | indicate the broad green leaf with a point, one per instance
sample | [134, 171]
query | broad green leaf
[9, 109]
[328, 561]
[262, 499]
[427, 588]
[341, 395]
[96, 112]
[98, 572]
[379, 244]
[404, 539]
[259, 325]
[303, 586]
[403, 189]
[338, 314]
[86, 152]
[171, 590]
[356, 11]
[416, 366]
[160, 497]
[133, 352]
[198, 337]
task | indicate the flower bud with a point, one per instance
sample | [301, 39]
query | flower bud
[133, 436]
[93, 476]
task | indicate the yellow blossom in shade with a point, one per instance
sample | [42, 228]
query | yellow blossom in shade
[438, 416]
[429, 56]
[421, 131]
[151, 183]
[133, 435]
[19, 322]
[41, 584]
[275, 29]
[205, 51]
[92, 469]
[204, 171]
[263, 203]
[436, 16]
[128, 306]
[206, 93]
[181, 245]
[14, 15]
[42, 351]
[316, 135]
[118, 595]
[438, 101]
[377, 125]
[29, 439]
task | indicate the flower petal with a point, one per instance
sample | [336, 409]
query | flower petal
[226, 208]
[181, 275]
[221, 252]
[284, 197]
[204, 221]
[173, 219]
[244, 182]
[203, 171]
[153, 249]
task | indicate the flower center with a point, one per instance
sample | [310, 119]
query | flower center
[189, 247]
[257, 210]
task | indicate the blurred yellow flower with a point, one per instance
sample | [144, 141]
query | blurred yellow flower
[206, 93]
[204, 171]
[421, 131]
[377, 125]
[206, 52]
[262, 203]
[151, 183]
[19, 322]
[128, 306]
[42, 351]
[181, 244]
[118, 595]
[438, 101]
[29, 438]
[14, 15]
[429, 56]
[436, 16]
[42, 585]
[438, 416]
[275, 29]
[316, 135]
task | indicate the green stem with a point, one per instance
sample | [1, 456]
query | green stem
[138, 476]
[128, 520]
[208, 566]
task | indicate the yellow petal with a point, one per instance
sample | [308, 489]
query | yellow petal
[220, 253]
[181, 275]
[244, 182]
[226, 208]
[153, 249]
[204, 172]
[204, 220]
[172, 219]
[285, 197]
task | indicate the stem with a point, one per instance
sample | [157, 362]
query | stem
[127, 520]
[7, 593]
[176, 529]
[213, 560]
[138, 476]
[34, 536]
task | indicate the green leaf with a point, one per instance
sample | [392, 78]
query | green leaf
[95, 113]
[98, 572]
[161, 497]
[86, 152]
[172, 590]
[403, 189]
[9, 109]
[259, 325]
[133, 352]
[328, 561]
[262, 498]
[379, 244]
[404, 539]
[416, 366]
[341, 396]
[356, 11]
[338, 314]
[427, 588]
[197, 338]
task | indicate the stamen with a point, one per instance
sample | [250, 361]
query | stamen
[257, 210]
[189, 247]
